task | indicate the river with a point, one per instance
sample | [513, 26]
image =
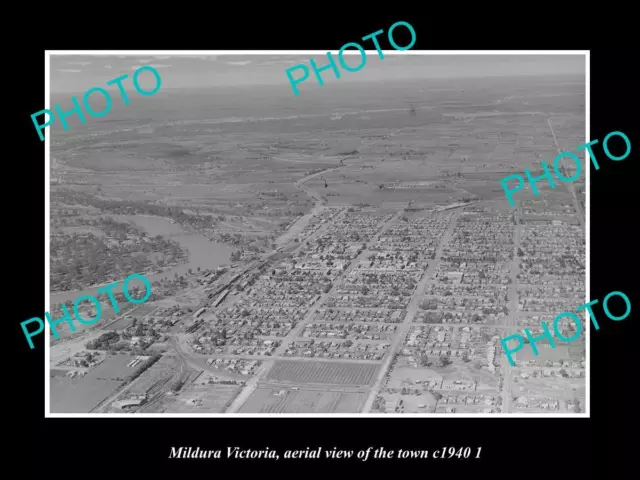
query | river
[202, 252]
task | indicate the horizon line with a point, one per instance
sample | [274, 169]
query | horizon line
[358, 81]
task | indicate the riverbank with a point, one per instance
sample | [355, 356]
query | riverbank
[202, 253]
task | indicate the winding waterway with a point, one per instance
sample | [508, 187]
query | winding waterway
[202, 252]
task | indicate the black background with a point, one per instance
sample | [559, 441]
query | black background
[511, 448]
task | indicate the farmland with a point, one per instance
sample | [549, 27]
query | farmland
[323, 373]
[279, 399]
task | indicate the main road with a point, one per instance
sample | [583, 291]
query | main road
[512, 319]
[411, 312]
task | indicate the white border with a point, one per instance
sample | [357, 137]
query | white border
[47, 104]
[587, 215]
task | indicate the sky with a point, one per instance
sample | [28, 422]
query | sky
[78, 73]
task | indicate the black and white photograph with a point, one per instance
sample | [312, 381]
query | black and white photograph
[254, 239]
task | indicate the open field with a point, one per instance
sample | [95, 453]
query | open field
[403, 376]
[412, 403]
[81, 394]
[545, 354]
[78, 395]
[204, 398]
[121, 324]
[322, 372]
[304, 400]
[113, 367]
[108, 314]
[552, 387]
[138, 314]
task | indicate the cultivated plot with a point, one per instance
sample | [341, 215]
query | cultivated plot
[309, 372]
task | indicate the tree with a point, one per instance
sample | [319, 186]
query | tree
[443, 362]
[176, 386]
